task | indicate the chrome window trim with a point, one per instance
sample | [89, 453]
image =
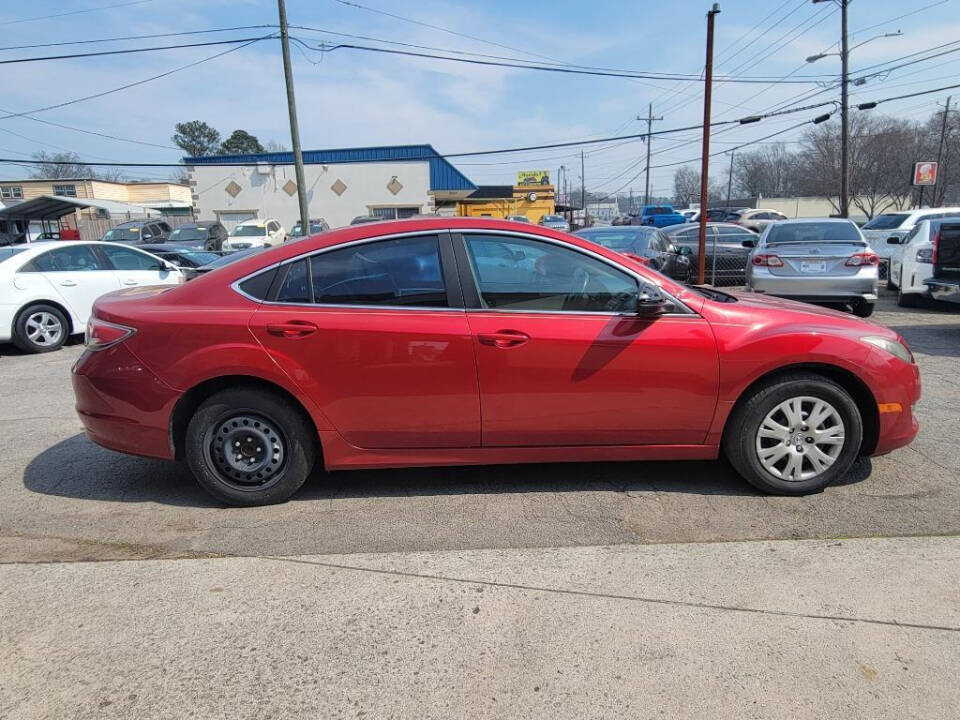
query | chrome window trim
[235, 285]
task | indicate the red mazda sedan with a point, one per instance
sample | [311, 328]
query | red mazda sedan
[456, 341]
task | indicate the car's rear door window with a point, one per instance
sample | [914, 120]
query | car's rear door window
[74, 258]
[514, 273]
[399, 272]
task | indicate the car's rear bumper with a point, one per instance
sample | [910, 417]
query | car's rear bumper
[945, 291]
[822, 288]
[123, 406]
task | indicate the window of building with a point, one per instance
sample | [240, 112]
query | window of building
[11, 192]
[394, 213]
[65, 190]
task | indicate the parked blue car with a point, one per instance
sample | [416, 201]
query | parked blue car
[661, 216]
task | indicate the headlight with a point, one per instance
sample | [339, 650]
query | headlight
[891, 346]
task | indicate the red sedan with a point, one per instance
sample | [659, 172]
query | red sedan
[456, 341]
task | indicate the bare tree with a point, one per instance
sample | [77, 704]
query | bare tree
[686, 187]
[273, 146]
[767, 172]
[59, 165]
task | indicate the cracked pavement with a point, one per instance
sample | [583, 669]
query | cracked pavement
[66, 499]
[563, 591]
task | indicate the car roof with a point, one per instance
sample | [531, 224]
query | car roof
[796, 221]
[165, 247]
[928, 211]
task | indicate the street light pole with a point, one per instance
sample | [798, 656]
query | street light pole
[844, 114]
[294, 126]
[705, 153]
[649, 139]
[943, 136]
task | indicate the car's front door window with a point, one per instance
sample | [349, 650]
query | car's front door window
[530, 275]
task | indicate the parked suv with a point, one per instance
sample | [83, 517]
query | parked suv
[899, 224]
[911, 263]
[256, 233]
[138, 231]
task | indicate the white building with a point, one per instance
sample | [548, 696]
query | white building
[393, 181]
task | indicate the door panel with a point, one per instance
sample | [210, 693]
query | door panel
[134, 268]
[596, 379]
[78, 275]
[386, 377]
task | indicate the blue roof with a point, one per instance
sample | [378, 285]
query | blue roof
[443, 175]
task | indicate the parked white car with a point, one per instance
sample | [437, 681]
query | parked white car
[911, 261]
[47, 289]
[758, 219]
[899, 224]
[255, 233]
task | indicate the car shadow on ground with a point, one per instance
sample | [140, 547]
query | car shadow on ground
[940, 339]
[76, 468]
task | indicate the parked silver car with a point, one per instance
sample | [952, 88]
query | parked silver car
[818, 261]
[555, 222]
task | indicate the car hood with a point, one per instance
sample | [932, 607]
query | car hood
[761, 302]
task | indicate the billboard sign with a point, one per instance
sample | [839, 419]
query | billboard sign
[533, 177]
[925, 173]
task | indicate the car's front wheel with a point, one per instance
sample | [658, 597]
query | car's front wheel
[250, 446]
[40, 328]
[794, 435]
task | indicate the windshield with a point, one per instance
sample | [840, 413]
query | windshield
[618, 239]
[184, 234]
[8, 252]
[813, 232]
[118, 234]
[553, 218]
[887, 221]
[249, 231]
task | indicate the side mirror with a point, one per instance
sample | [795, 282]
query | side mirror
[749, 243]
[893, 240]
[651, 302]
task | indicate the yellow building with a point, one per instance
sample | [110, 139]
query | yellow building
[498, 201]
[164, 196]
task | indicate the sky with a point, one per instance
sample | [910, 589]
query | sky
[352, 98]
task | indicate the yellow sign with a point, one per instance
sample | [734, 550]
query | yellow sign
[533, 177]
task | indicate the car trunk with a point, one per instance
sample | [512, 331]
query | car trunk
[947, 258]
[814, 259]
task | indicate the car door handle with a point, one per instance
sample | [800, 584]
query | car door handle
[68, 283]
[503, 338]
[130, 282]
[292, 329]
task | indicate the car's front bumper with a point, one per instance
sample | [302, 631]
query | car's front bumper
[945, 291]
[816, 288]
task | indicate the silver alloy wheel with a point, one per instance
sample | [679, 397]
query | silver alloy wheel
[800, 439]
[43, 328]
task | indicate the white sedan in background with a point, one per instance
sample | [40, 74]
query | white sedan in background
[911, 260]
[254, 234]
[47, 289]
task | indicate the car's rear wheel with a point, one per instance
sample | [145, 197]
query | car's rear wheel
[249, 446]
[863, 308]
[794, 435]
[40, 328]
[907, 299]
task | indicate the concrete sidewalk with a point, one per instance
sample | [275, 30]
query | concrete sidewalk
[786, 629]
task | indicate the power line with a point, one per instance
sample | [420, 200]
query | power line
[133, 84]
[75, 12]
[123, 38]
[558, 69]
[129, 51]
[92, 132]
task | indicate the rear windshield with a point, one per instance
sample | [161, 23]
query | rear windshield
[813, 232]
[618, 240]
[184, 234]
[887, 221]
[249, 231]
[121, 234]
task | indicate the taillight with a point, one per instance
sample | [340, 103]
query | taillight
[767, 260]
[936, 248]
[925, 255]
[101, 334]
[860, 259]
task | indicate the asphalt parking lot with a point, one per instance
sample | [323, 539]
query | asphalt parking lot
[67, 499]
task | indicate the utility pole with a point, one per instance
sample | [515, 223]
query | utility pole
[705, 158]
[583, 189]
[650, 120]
[294, 126]
[943, 136]
[730, 176]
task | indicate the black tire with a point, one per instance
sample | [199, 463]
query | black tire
[282, 428]
[862, 308]
[27, 317]
[740, 434]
